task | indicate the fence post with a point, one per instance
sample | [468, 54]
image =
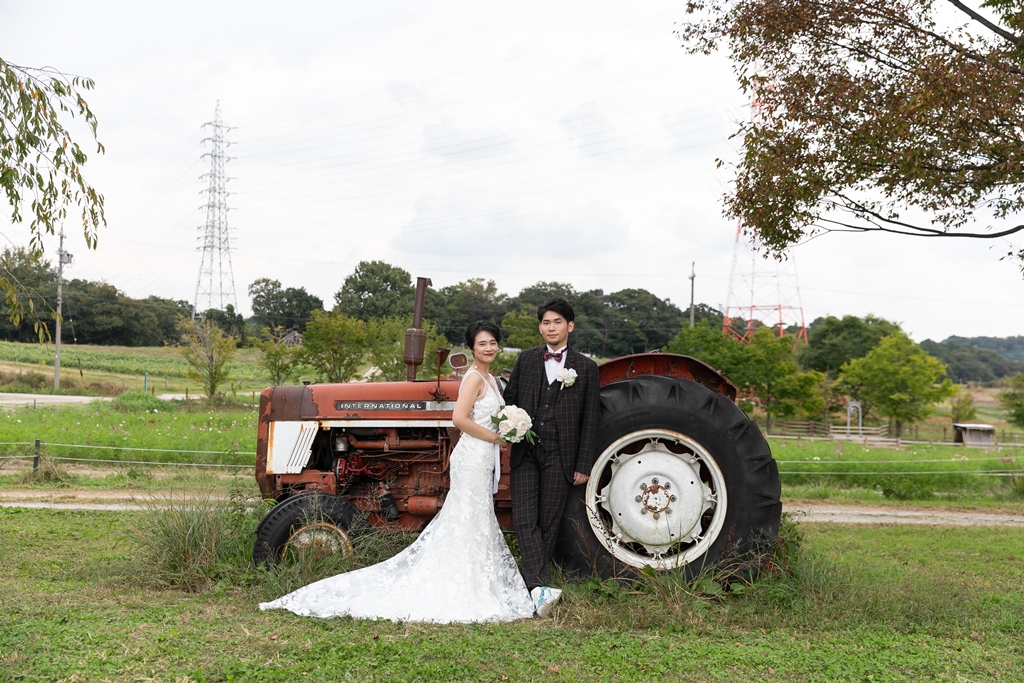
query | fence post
[35, 460]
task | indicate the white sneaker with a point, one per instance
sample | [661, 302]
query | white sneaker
[545, 599]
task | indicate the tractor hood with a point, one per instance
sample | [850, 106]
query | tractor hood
[362, 401]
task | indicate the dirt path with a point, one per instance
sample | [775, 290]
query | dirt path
[848, 514]
[86, 499]
[46, 399]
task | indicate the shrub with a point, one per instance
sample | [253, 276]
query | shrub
[193, 542]
[906, 487]
[48, 472]
[138, 401]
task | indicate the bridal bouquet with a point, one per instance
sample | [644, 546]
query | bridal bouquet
[514, 425]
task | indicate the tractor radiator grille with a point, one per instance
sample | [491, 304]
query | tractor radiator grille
[290, 446]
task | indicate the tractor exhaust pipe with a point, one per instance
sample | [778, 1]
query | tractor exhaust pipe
[415, 337]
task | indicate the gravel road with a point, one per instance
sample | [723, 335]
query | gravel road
[84, 499]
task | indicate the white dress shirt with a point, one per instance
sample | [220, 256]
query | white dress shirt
[551, 366]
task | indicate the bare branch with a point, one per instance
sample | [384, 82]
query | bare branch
[911, 229]
[995, 28]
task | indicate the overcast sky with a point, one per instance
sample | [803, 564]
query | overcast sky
[570, 141]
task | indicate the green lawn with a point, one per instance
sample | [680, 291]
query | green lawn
[879, 603]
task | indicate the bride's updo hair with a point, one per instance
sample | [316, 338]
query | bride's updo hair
[481, 326]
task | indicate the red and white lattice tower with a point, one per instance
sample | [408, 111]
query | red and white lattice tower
[762, 291]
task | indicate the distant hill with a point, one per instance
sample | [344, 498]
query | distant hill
[1008, 347]
[967, 362]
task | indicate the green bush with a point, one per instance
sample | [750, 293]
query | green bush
[194, 542]
[906, 487]
[138, 401]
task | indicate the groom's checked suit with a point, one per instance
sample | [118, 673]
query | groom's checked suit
[565, 419]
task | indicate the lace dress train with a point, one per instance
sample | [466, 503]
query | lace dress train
[459, 569]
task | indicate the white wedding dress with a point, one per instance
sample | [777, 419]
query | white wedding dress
[459, 569]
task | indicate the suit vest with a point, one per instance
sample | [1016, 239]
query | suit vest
[544, 420]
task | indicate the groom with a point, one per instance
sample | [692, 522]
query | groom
[559, 389]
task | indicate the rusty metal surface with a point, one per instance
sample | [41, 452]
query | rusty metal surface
[290, 403]
[262, 445]
[668, 365]
[307, 480]
[415, 337]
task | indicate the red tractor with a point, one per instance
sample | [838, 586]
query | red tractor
[682, 477]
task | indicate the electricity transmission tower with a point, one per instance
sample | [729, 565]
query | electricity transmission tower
[762, 292]
[215, 287]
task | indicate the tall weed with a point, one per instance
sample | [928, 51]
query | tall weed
[48, 472]
[194, 541]
[1016, 482]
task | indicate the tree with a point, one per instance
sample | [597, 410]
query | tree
[277, 358]
[962, 408]
[468, 302]
[40, 163]
[25, 276]
[764, 368]
[644, 321]
[832, 341]
[335, 345]
[520, 329]
[705, 341]
[274, 307]
[868, 109]
[899, 379]
[167, 313]
[1008, 347]
[704, 312]
[228, 320]
[376, 290]
[387, 344]
[1012, 400]
[966, 363]
[207, 349]
[97, 313]
[768, 370]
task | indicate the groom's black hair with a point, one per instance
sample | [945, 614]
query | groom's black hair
[481, 326]
[559, 306]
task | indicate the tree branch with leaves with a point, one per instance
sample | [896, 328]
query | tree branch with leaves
[40, 160]
[867, 110]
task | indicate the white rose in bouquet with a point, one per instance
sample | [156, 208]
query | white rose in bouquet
[514, 425]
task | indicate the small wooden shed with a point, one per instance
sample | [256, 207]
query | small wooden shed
[970, 434]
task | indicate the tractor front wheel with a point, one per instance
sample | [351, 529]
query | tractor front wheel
[309, 522]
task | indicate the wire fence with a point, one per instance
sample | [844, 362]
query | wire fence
[39, 446]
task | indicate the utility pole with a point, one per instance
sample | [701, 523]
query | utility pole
[693, 277]
[62, 258]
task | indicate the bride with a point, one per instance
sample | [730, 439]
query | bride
[459, 569]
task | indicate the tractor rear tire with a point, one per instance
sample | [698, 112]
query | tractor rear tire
[314, 521]
[683, 479]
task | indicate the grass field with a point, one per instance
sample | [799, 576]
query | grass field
[864, 603]
[107, 370]
[825, 469]
[103, 431]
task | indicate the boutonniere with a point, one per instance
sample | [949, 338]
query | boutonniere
[567, 376]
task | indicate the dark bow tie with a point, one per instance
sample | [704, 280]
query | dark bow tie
[557, 357]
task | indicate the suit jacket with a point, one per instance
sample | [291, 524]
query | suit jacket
[576, 409]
